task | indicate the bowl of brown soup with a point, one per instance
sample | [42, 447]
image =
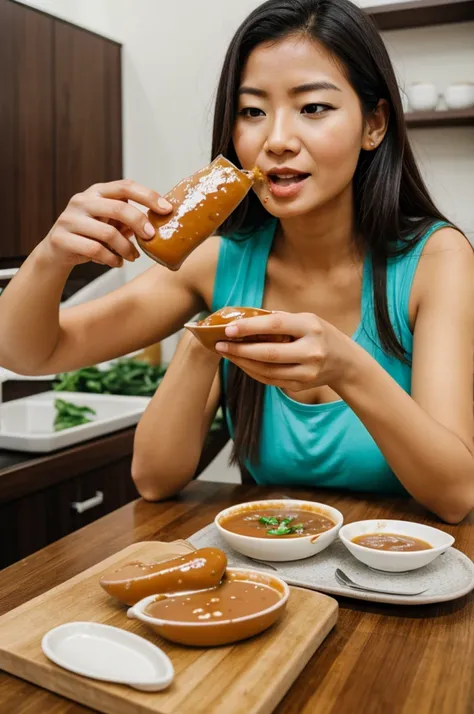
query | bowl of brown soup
[245, 603]
[279, 530]
[211, 329]
[394, 546]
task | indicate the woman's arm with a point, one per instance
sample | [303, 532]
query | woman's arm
[426, 438]
[171, 433]
[38, 338]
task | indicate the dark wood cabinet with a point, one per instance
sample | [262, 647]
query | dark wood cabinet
[60, 122]
[87, 111]
[42, 517]
[26, 128]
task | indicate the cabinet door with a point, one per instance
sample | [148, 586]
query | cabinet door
[87, 109]
[114, 482]
[36, 520]
[26, 128]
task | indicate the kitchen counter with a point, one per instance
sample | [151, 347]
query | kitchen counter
[39, 493]
[378, 658]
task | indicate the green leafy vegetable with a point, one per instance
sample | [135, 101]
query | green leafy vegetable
[69, 415]
[269, 521]
[279, 531]
[283, 524]
[125, 376]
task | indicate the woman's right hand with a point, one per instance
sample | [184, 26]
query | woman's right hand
[97, 224]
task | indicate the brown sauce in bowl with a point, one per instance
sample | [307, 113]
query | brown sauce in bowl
[230, 600]
[391, 542]
[226, 315]
[277, 523]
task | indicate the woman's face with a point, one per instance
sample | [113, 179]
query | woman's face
[298, 113]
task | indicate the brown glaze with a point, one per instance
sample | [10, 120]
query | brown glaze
[249, 614]
[228, 601]
[230, 314]
[391, 542]
[201, 569]
[201, 203]
[211, 330]
[247, 522]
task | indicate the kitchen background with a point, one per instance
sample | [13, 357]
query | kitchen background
[171, 57]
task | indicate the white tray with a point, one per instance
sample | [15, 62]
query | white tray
[448, 577]
[27, 424]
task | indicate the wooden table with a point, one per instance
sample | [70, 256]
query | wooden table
[378, 659]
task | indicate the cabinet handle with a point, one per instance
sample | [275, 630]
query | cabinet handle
[81, 506]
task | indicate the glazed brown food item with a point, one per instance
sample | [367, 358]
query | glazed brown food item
[201, 203]
[277, 523]
[201, 569]
[392, 542]
[226, 315]
[228, 601]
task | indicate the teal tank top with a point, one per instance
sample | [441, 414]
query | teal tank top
[321, 445]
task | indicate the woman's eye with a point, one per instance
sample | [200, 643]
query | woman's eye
[250, 112]
[315, 108]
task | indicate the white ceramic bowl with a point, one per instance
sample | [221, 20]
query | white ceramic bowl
[460, 95]
[280, 549]
[395, 562]
[422, 96]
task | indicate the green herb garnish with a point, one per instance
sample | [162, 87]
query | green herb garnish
[279, 531]
[69, 415]
[269, 521]
[283, 526]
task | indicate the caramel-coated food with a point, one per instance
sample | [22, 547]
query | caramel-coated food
[201, 203]
[203, 568]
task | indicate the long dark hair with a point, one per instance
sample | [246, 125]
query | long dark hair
[392, 204]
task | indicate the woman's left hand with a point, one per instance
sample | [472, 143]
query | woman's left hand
[316, 357]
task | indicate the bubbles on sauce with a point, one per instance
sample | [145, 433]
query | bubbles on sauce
[236, 598]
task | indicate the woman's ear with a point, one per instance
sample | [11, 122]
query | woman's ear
[375, 126]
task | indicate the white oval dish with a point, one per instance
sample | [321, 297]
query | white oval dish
[390, 561]
[281, 549]
[110, 654]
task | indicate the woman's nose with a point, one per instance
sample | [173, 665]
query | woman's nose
[281, 138]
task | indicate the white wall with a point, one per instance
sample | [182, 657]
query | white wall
[172, 56]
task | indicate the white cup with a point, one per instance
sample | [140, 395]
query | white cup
[460, 95]
[422, 96]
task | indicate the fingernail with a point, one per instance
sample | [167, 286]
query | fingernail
[149, 230]
[231, 331]
[221, 347]
[164, 204]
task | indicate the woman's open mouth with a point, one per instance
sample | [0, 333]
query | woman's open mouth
[286, 185]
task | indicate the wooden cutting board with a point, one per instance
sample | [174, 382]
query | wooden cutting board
[249, 677]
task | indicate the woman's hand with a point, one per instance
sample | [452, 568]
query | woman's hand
[319, 354]
[97, 224]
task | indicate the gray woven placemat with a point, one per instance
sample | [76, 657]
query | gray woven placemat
[448, 577]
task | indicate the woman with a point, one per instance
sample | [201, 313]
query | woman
[375, 390]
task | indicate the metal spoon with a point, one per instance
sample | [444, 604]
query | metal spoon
[259, 562]
[345, 580]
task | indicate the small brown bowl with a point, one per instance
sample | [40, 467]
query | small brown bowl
[211, 330]
[214, 633]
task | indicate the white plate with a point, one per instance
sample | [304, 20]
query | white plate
[109, 654]
[26, 424]
[448, 577]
